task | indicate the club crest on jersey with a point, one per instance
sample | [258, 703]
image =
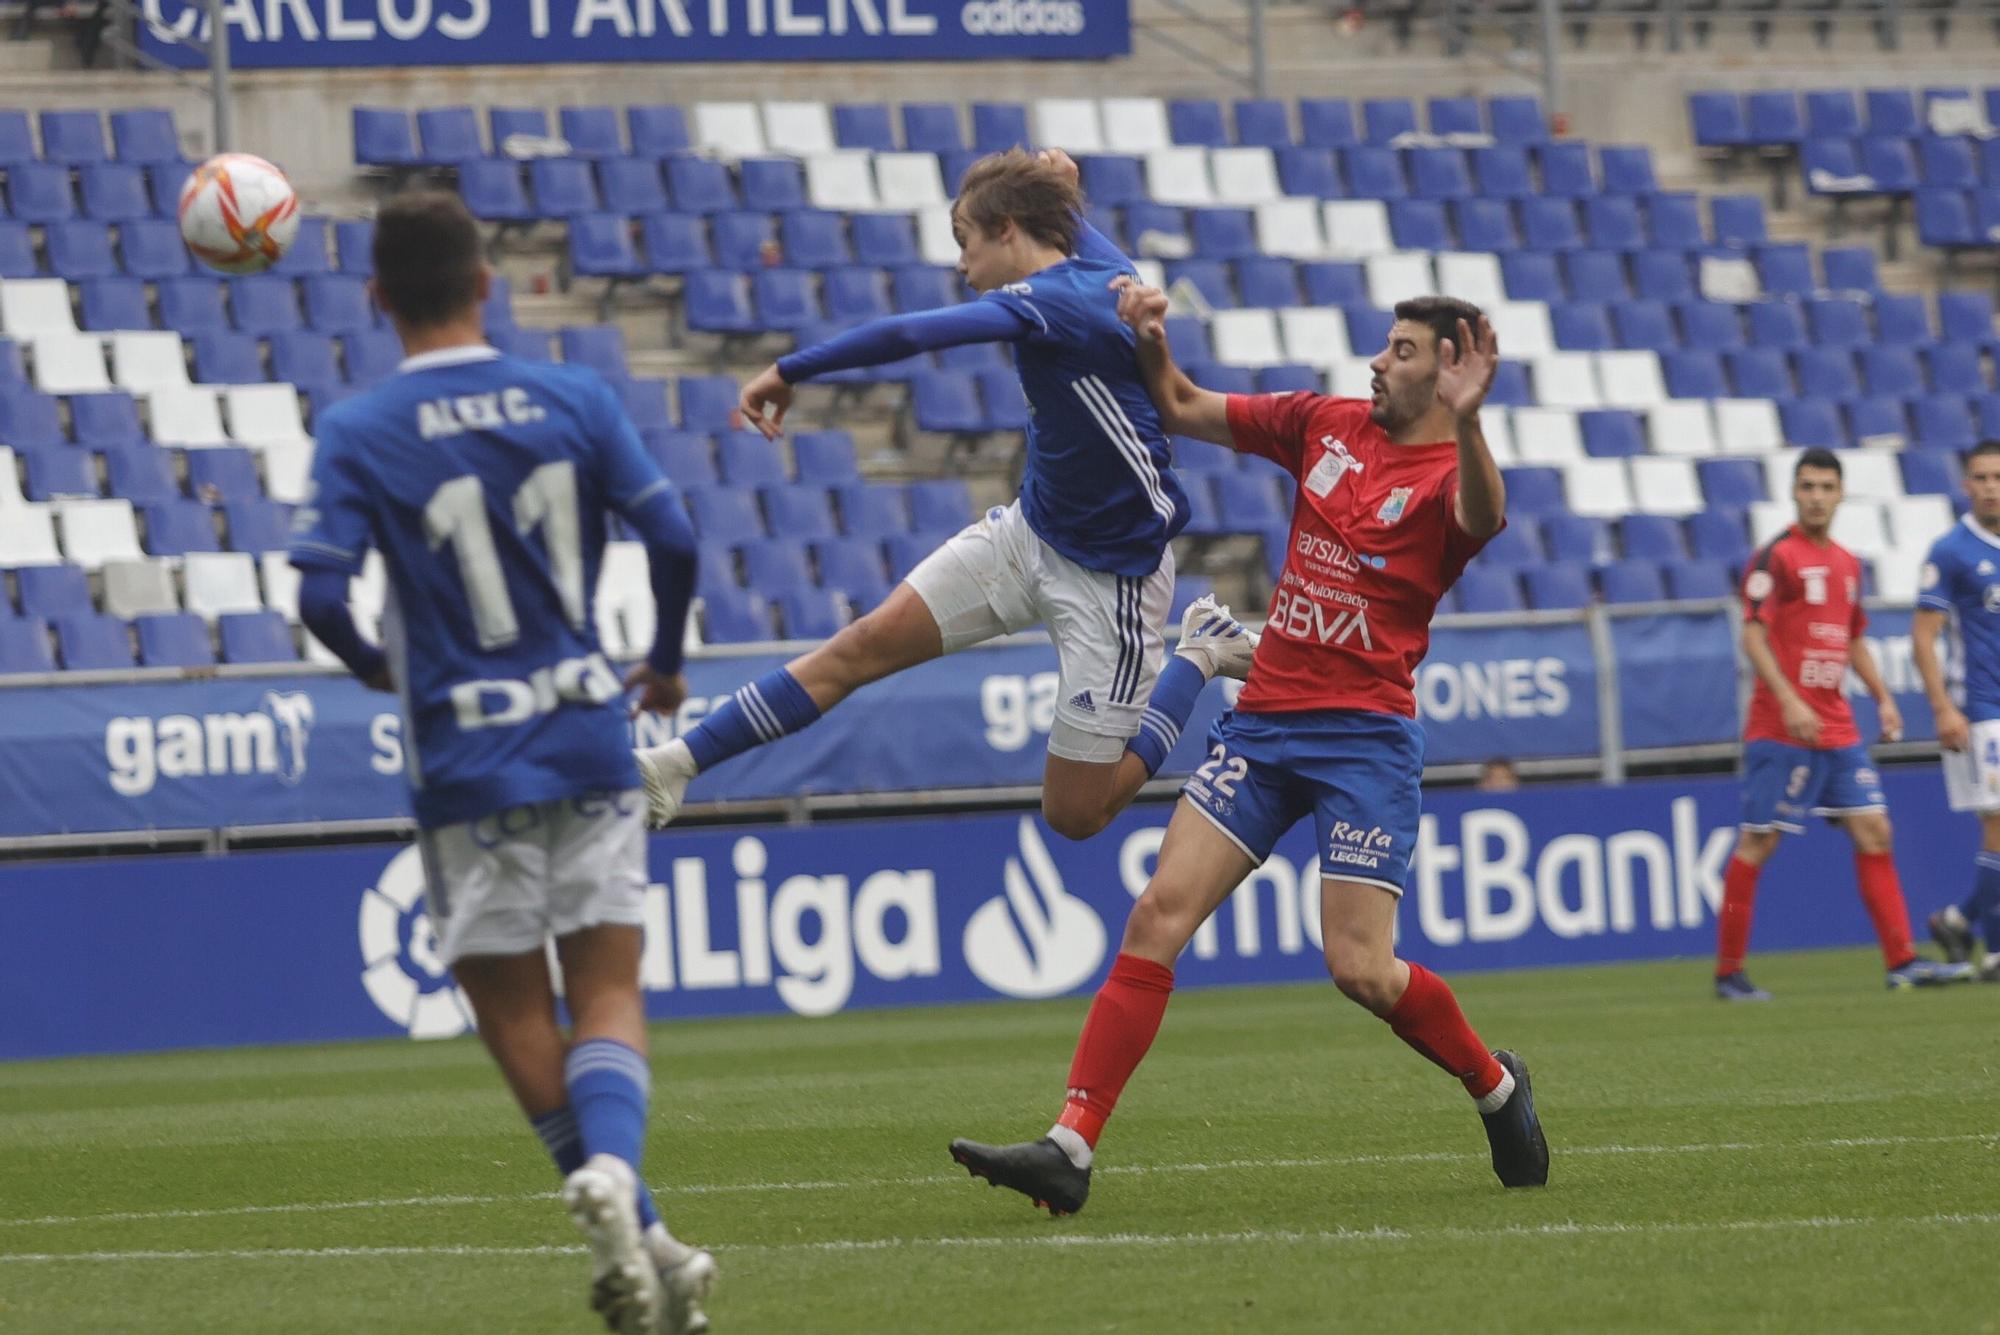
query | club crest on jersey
[1392, 509]
[1984, 568]
[1991, 598]
[1332, 466]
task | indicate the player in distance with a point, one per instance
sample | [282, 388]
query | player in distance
[1396, 494]
[483, 481]
[1802, 754]
[1960, 596]
[1084, 550]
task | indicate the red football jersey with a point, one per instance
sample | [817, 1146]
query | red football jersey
[1374, 544]
[1808, 597]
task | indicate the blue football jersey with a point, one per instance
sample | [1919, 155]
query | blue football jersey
[1098, 486]
[1962, 580]
[484, 480]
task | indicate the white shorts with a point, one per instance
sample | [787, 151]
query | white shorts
[1972, 776]
[504, 884]
[996, 577]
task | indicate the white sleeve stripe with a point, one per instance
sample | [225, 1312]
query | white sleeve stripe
[1125, 439]
[647, 493]
[316, 545]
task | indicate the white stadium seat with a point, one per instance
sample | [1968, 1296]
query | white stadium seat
[1357, 228]
[1350, 379]
[1770, 518]
[1152, 273]
[146, 360]
[189, 417]
[1564, 379]
[1858, 526]
[1179, 176]
[1246, 338]
[69, 364]
[35, 307]
[1133, 125]
[94, 532]
[281, 584]
[1630, 379]
[1598, 488]
[28, 535]
[1496, 424]
[370, 590]
[1547, 436]
[841, 182]
[1313, 337]
[1398, 276]
[1290, 228]
[934, 239]
[10, 481]
[1068, 123]
[1244, 176]
[260, 414]
[1472, 277]
[799, 129]
[1918, 521]
[909, 181]
[625, 614]
[287, 469]
[1747, 426]
[137, 588]
[1665, 486]
[1899, 573]
[1680, 426]
[729, 130]
[1871, 475]
[220, 582]
[1524, 331]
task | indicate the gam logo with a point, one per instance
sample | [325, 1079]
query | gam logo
[140, 750]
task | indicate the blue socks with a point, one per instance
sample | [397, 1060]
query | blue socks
[1167, 712]
[765, 710]
[1982, 909]
[608, 1087]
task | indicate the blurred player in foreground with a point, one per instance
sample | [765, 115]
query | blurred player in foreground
[1802, 755]
[1396, 494]
[484, 481]
[1083, 552]
[1961, 595]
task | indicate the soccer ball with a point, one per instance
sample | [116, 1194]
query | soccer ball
[238, 213]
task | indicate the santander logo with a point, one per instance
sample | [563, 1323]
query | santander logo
[1036, 939]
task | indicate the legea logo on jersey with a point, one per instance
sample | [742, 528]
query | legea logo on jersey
[401, 969]
[139, 750]
[1037, 939]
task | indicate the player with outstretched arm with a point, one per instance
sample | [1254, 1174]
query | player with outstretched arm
[484, 480]
[1084, 550]
[1396, 494]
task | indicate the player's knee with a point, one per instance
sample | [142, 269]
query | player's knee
[1362, 973]
[1156, 927]
[1073, 820]
[1755, 846]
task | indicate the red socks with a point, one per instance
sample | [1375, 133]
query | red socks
[1732, 923]
[1427, 1017]
[1882, 895]
[1116, 1034]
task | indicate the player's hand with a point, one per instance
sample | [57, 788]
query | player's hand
[379, 681]
[1800, 721]
[1466, 367]
[1062, 162]
[1891, 719]
[1954, 732]
[766, 400]
[1143, 308]
[659, 692]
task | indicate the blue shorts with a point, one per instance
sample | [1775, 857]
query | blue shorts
[1783, 784]
[1359, 773]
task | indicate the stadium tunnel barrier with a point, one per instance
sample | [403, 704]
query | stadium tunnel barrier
[85, 758]
[297, 946]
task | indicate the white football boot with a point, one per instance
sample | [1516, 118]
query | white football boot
[602, 1202]
[1215, 641]
[687, 1284]
[666, 771]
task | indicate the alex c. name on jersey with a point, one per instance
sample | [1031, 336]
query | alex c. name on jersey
[477, 412]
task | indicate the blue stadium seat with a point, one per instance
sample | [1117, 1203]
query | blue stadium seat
[675, 242]
[1772, 118]
[1566, 170]
[932, 127]
[1310, 173]
[24, 644]
[600, 347]
[1925, 473]
[1612, 222]
[58, 472]
[1210, 277]
[1687, 580]
[503, 123]
[255, 637]
[79, 250]
[1447, 116]
[1165, 219]
[592, 132]
[811, 614]
[687, 457]
[1777, 324]
[383, 138]
[923, 287]
[372, 354]
[17, 139]
[17, 251]
[825, 457]
[264, 305]
[29, 419]
[1483, 588]
[1646, 324]
[852, 567]
[1577, 539]
[735, 616]
[1942, 421]
[1850, 269]
[645, 402]
[1196, 123]
[1006, 403]
[308, 255]
[1737, 221]
[1891, 164]
[1902, 318]
[1529, 276]
[1289, 380]
[493, 190]
[115, 193]
[1630, 582]
[257, 525]
[775, 566]
[1956, 368]
[173, 639]
[1368, 332]
[1331, 283]
[939, 504]
[748, 460]
[1839, 322]
[1388, 119]
[152, 250]
[600, 246]
[814, 239]
[657, 131]
[1249, 501]
[772, 185]
[1558, 587]
[998, 126]
[1517, 119]
[109, 304]
[338, 303]
[1262, 123]
[1892, 111]
[1812, 421]
[718, 303]
[1515, 546]
[142, 474]
[700, 185]
[800, 510]
[354, 240]
[1673, 222]
[1966, 317]
[708, 402]
[1758, 373]
[563, 187]
[90, 641]
[864, 125]
[1550, 224]
[1419, 224]
[1826, 373]
[1374, 173]
[631, 186]
[38, 192]
[228, 474]
[105, 421]
[1186, 332]
[1720, 533]
[1712, 326]
[1876, 418]
[145, 135]
[1729, 484]
[1892, 371]
[1113, 179]
[1223, 234]
[1536, 492]
[1717, 120]
[1438, 173]
[1510, 383]
[1612, 433]
[875, 510]
[1327, 122]
[1832, 167]
[73, 138]
[741, 238]
[1581, 327]
[854, 293]
[947, 401]
[1651, 538]
[177, 527]
[1988, 407]
[1948, 162]
[1223, 379]
[1503, 172]
[53, 591]
[884, 239]
[1662, 275]
[1832, 113]
[724, 514]
[1627, 170]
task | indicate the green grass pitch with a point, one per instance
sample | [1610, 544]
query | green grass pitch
[1281, 1163]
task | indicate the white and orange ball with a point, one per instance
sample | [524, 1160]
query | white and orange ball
[238, 213]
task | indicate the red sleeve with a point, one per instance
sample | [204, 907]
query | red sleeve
[1273, 425]
[1763, 585]
[1459, 546]
[1860, 613]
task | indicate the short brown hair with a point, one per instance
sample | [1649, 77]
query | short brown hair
[1016, 185]
[1441, 316]
[427, 257]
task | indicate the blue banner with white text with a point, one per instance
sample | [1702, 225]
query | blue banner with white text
[307, 33]
[176, 952]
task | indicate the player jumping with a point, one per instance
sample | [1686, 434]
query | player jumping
[1083, 551]
[1802, 755]
[1395, 496]
[483, 481]
[1961, 590]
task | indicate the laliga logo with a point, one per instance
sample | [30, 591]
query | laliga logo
[404, 976]
[1037, 940]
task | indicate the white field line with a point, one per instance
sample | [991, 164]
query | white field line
[1122, 1170]
[1079, 1241]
